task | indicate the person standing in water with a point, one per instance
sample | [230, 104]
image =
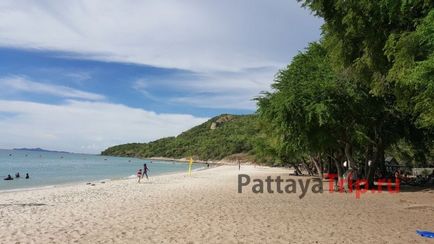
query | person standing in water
[145, 171]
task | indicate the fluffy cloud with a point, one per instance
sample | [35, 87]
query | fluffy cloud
[195, 35]
[81, 126]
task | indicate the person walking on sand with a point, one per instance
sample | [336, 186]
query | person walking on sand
[139, 175]
[145, 171]
[239, 165]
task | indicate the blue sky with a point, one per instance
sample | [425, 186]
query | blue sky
[84, 75]
[134, 85]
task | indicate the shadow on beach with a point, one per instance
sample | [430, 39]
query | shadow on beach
[23, 204]
[408, 188]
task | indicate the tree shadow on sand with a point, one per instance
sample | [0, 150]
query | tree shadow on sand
[23, 204]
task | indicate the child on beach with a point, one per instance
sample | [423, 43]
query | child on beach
[139, 175]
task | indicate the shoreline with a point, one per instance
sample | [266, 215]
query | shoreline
[90, 182]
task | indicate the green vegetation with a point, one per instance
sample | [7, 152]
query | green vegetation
[215, 139]
[365, 89]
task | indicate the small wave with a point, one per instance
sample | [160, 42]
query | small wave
[198, 169]
[28, 189]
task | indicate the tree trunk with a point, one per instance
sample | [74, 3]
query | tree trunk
[318, 166]
[339, 169]
[381, 160]
[297, 170]
[377, 163]
[329, 168]
[340, 173]
[349, 155]
[368, 157]
[309, 171]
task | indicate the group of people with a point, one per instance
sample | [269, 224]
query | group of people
[141, 174]
[17, 175]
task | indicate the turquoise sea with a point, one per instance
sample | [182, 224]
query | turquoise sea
[52, 168]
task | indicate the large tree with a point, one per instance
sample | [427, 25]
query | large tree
[367, 87]
[312, 111]
[387, 46]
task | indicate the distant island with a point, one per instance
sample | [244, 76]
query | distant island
[38, 150]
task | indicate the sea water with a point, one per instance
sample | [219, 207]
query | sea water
[54, 168]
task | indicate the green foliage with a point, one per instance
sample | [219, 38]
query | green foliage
[366, 87]
[296, 110]
[236, 135]
[311, 110]
[412, 54]
[410, 154]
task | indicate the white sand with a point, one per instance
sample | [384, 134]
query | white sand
[206, 208]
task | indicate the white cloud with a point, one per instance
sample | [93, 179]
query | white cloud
[227, 90]
[79, 76]
[87, 127]
[12, 84]
[204, 35]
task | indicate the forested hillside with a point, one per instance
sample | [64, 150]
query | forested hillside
[217, 138]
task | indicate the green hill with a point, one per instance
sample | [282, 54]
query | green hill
[215, 139]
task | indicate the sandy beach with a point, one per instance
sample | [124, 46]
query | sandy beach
[206, 208]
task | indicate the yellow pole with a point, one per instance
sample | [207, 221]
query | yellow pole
[190, 162]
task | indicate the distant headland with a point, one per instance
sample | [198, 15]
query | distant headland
[38, 150]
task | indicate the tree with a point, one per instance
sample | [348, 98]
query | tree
[312, 111]
[385, 46]
[366, 87]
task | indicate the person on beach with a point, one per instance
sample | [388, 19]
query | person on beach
[139, 175]
[397, 175]
[17, 175]
[239, 165]
[27, 176]
[145, 171]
